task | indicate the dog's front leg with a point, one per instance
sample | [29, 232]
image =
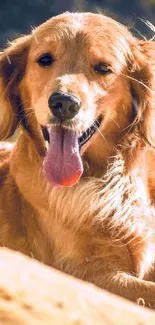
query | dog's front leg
[129, 287]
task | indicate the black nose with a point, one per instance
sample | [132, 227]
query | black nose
[64, 106]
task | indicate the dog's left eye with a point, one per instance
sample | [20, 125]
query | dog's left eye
[102, 68]
[45, 60]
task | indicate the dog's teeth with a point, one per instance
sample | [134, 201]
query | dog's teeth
[47, 145]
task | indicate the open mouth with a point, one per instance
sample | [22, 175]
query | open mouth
[90, 132]
[63, 165]
[84, 137]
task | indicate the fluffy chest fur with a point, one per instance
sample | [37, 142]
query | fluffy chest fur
[78, 229]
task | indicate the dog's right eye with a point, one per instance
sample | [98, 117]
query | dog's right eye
[102, 68]
[45, 60]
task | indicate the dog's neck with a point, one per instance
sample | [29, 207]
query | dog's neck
[27, 161]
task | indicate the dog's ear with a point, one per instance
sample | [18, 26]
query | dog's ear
[142, 76]
[144, 89]
[12, 66]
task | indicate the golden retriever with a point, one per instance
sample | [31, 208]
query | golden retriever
[77, 190]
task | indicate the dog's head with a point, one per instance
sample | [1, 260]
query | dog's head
[89, 83]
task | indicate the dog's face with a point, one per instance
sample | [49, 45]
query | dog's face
[77, 74]
[77, 60]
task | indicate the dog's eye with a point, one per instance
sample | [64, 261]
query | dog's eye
[102, 68]
[45, 60]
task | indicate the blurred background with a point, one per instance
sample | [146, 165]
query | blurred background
[19, 16]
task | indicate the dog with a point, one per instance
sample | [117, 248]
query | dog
[77, 189]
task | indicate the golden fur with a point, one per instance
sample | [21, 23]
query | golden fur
[101, 229]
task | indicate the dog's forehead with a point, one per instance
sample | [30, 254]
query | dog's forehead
[92, 35]
[81, 26]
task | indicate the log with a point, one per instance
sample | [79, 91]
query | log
[34, 294]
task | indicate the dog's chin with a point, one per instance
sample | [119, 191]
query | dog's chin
[63, 165]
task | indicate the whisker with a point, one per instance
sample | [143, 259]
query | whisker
[138, 81]
[108, 115]
[98, 129]
[112, 119]
[101, 133]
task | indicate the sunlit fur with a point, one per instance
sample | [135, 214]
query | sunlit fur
[101, 229]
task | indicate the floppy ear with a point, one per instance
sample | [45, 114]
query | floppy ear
[142, 74]
[145, 90]
[12, 67]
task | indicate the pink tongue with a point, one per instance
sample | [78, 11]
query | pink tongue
[63, 165]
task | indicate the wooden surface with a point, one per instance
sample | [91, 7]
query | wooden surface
[31, 293]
